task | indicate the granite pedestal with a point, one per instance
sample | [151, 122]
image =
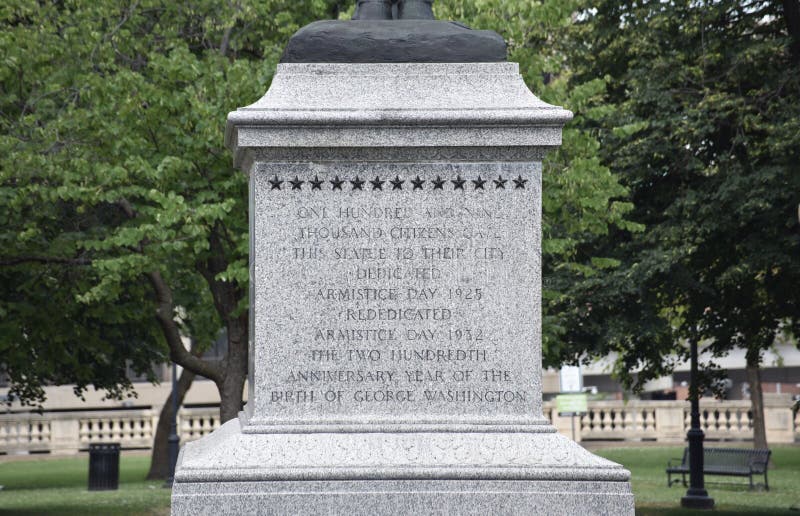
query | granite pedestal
[395, 355]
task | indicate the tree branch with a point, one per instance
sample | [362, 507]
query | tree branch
[165, 317]
[17, 260]
[226, 38]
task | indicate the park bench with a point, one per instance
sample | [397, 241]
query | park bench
[724, 461]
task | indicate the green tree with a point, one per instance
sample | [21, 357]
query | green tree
[706, 136]
[116, 111]
[118, 198]
[112, 160]
[582, 199]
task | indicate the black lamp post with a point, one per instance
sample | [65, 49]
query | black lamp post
[696, 496]
[173, 440]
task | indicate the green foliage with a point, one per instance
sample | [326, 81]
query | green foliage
[113, 114]
[112, 168]
[582, 198]
[704, 135]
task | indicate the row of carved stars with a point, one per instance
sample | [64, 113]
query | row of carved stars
[397, 184]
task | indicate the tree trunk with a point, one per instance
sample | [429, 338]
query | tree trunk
[756, 398]
[791, 13]
[231, 399]
[159, 459]
[227, 295]
[232, 385]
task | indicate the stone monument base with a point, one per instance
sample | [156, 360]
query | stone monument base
[520, 472]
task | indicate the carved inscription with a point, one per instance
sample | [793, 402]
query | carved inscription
[408, 309]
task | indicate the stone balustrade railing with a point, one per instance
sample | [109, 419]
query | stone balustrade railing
[668, 421]
[661, 421]
[71, 432]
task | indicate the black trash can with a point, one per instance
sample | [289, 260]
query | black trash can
[103, 466]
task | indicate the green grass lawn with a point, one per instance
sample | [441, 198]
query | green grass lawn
[58, 486]
[731, 495]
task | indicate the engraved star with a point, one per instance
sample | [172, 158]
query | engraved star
[458, 183]
[418, 183]
[438, 183]
[519, 183]
[358, 183]
[397, 183]
[377, 184]
[316, 183]
[276, 183]
[500, 183]
[297, 184]
[337, 183]
[479, 183]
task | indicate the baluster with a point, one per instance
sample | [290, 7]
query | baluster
[629, 421]
[747, 420]
[14, 432]
[37, 433]
[584, 424]
[648, 420]
[17, 430]
[190, 427]
[182, 425]
[82, 430]
[123, 428]
[606, 421]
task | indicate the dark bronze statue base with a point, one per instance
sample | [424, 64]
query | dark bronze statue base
[398, 41]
